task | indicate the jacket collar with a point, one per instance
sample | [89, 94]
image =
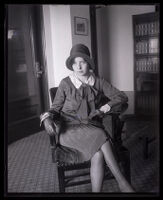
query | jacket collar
[77, 83]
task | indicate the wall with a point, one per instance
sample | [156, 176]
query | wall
[115, 46]
[115, 43]
[80, 11]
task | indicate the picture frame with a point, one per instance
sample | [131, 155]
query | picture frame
[80, 26]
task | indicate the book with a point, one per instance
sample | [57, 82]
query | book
[153, 45]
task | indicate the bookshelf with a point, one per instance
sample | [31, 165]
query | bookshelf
[146, 31]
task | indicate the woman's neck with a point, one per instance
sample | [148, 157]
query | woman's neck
[82, 78]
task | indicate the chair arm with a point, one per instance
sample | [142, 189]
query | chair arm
[116, 112]
[53, 143]
[117, 123]
[53, 138]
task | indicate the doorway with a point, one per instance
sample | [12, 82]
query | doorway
[26, 71]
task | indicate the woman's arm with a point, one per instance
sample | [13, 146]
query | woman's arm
[116, 96]
[54, 112]
[59, 100]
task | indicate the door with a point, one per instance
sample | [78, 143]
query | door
[26, 72]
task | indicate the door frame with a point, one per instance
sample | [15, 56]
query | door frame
[92, 11]
[39, 38]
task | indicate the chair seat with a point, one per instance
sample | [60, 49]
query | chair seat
[65, 155]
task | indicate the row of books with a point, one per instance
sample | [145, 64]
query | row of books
[147, 103]
[146, 84]
[147, 46]
[153, 45]
[148, 65]
[147, 28]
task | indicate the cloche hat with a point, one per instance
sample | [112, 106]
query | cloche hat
[79, 50]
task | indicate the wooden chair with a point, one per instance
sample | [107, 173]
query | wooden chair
[65, 157]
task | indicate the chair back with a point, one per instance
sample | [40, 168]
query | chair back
[53, 93]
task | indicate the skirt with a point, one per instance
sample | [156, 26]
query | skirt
[86, 138]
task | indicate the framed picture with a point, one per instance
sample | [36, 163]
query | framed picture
[80, 26]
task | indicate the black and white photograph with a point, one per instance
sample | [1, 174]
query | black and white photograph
[82, 92]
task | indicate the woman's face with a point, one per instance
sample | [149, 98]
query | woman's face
[80, 66]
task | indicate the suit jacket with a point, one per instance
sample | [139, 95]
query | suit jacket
[81, 105]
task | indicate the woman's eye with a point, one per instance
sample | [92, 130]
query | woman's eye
[82, 63]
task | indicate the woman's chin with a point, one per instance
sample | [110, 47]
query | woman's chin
[81, 74]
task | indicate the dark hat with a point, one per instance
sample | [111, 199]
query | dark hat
[79, 50]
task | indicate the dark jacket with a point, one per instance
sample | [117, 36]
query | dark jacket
[81, 105]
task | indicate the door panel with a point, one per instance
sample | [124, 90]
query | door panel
[25, 102]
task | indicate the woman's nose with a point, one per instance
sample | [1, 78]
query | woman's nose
[79, 65]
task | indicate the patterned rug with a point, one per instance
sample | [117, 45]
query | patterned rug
[30, 168]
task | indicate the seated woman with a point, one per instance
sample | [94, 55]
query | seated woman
[76, 102]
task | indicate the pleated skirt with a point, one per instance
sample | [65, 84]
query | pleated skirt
[86, 138]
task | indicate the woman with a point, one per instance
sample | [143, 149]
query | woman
[77, 102]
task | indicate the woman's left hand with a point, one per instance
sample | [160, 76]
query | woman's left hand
[105, 108]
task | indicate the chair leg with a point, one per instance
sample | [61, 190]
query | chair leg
[126, 166]
[61, 178]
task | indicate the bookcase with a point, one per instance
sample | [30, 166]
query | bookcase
[146, 33]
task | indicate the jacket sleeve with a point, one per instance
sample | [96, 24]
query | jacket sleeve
[54, 111]
[116, 97]
[58, 100]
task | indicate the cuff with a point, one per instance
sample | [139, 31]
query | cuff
[44, 116]
[108, 107]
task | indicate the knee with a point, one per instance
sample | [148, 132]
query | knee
[98, 157]
[99, 154]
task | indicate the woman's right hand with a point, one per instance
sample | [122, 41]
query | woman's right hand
[49, 126]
